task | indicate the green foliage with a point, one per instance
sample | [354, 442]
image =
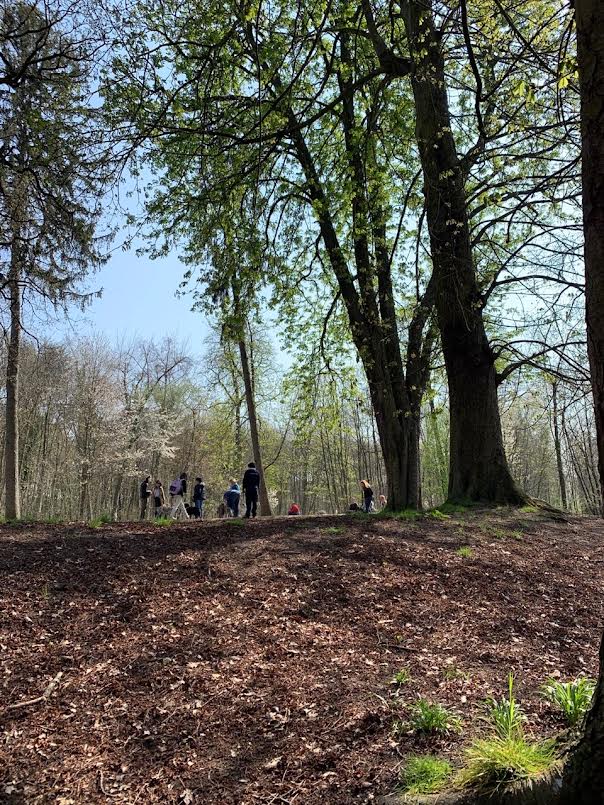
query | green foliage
[505, 714]
[573, 698]
[465, 552]
[493, 762]
[163, 521]
[424, 774]
[453, 672]
[430, 718]
[437, 514]
[401, 677]
[333, 530]
[97, 522]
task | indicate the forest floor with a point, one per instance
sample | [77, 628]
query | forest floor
[251, 662]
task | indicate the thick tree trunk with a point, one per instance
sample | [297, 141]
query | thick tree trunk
[590, 51]
[478, 467]
[11, 456]
[583, 779]
[583, 782]
[265, 509]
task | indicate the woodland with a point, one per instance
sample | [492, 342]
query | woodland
[392, 217]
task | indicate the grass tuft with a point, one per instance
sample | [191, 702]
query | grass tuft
[97, 522]
[333, 529]
[505, 715]
[573, 698]
[465, 552]
[424, 774]
[402, 677]
[493, 762]
[163, 521]
[429, 718]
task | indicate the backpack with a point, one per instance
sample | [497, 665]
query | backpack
[176, 487]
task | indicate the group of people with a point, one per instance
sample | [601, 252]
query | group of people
[177, 508]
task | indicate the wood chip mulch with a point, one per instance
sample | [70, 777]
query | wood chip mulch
[252, 663]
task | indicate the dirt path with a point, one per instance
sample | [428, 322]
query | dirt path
[228, 663]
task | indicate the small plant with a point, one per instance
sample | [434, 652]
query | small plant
[97, 522]
[427, 717]
[452, 672]
[505, 714]
[409, 515]
[497, 761]
[573, 698]
[163, 521]
[437, 514]
[333, 530]
[401, 677]
[424, 774]
[529, 509]
[465, 552]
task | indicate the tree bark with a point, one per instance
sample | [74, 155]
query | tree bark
[583, 782]
[11, 456]
[478, 466]
[590, 52]
[558, 447]
[265, 508]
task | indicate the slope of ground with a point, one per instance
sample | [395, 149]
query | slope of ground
[251, 663]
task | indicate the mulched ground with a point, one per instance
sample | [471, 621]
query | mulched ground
[227, 663]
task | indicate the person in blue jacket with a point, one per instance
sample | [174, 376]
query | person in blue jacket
[231, 498]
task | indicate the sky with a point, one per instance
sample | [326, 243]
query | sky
[139, 300]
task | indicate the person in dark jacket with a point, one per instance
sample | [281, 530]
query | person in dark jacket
[367, 496]
[251, 485]
[145, 495]
[199, 496]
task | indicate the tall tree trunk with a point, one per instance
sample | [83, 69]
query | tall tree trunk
[11, 456]
[265, 509]
[584, 777]
[478, 466]
[590, 51]
[558, 447]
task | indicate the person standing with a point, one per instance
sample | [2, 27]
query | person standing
[145, 494]
[367, 496]
[178, 490]
[251, 486]
[232, 497]
[199, 496]
[159, 497]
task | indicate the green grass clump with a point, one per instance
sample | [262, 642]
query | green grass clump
[432, 718]
[508, 756]
[497, 761]
[401, 677]
[408, 515]
[163, 521]
[573, 698]
[424, 774]
[465, 552]
[505, 715]
[334, 529]
[452, 672]
[529, 509]
[97, 522]
[437, 514]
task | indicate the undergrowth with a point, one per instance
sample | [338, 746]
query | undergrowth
[424, 774]
[426, 717]
[573, 698]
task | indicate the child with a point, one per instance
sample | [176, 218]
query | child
[199, 496]
[294, 509]
[159, 497]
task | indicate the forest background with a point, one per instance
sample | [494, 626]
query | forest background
[97, 415]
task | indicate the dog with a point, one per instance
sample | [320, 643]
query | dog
[221, 511]
[193, 511]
